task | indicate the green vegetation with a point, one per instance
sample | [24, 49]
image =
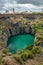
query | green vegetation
[36, 50]
[41, 64]
[36, 42]
[4, 62]
[5, 50]
[29, 47]
[27, 53]
[1, 59]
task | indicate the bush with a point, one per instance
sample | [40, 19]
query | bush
[37, 42]
[27, 55]
[24, 56]
[29, 47]
[19, 51]
[31, 56]
[0, 59]
[5, 51]
[36, 50]
[17, 56]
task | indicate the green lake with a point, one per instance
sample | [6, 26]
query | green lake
[20, 42]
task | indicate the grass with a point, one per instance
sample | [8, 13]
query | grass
[41, 64]
[1, 59]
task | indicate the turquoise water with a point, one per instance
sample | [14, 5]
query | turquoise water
[20, 42]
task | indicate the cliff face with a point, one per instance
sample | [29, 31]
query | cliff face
[18, 28]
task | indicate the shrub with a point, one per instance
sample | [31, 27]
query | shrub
[5, 51]
[17, 56]
[37, 42]
[27, 55]
[29, 47]
[24, 56]
[19, 51]
[31, 56]
[36, 50]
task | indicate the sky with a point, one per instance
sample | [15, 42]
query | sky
[21, 5]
